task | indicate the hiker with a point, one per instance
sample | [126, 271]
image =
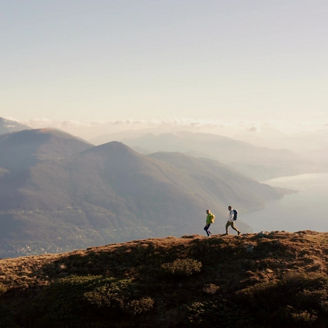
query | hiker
[210, 218]
[232, 217]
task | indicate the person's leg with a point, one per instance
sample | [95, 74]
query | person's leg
[206, 229]
[227, 226]
[209, 232]
[235, 228]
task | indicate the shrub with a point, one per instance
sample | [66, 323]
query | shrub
[303, 317]
[182, 267]
[110, 295]
[216, 312]
[196, 312]
[120, 296]
[140, 306]
[296, 299]
[210, 289]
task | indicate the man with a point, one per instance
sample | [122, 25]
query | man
[232, 217]
[210, 218]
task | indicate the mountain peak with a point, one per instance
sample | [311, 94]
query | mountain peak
[39, 137]
[27, 147]
[116, 147]
[51, 132]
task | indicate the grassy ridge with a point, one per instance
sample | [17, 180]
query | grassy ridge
[276, 279]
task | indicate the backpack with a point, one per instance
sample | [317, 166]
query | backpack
[235, 213]
[212, 218]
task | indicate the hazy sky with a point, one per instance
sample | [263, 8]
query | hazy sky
[164, 59]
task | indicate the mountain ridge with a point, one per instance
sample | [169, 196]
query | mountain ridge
[188, 281]
[8, 126]
[257, 162]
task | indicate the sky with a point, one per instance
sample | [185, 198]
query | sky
[99, 60]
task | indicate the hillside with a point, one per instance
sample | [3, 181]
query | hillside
[58, 193]
[225, 183]
[275, 279]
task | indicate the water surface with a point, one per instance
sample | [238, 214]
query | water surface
[305, 209]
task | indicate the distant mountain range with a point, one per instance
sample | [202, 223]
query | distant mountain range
[259, 163]
[58, 192]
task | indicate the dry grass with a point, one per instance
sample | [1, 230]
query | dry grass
[211, 280]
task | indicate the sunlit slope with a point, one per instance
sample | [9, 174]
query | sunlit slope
[269, 280]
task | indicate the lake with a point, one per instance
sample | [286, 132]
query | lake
[305, 209]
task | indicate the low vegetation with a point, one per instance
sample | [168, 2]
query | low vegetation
[182, 267]
[257, 280]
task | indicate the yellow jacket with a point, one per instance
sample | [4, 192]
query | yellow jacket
[210, 218]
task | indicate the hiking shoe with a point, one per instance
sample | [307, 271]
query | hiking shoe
[238, 233]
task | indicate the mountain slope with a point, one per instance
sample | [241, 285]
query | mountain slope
[58, 193]
[257, 162]
[268, 280]
[8, 126]
[224, 183]
[26, 148]
[32, 158]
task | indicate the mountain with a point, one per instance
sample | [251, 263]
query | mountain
[259, 163]
[218, 182]
[271, 280]
[31, 166]
[24, 149]
[32, 181]
[8, 126]
[59, 193]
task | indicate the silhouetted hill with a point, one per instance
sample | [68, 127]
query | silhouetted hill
[271, 280]
[59, 193]
[8, 126]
